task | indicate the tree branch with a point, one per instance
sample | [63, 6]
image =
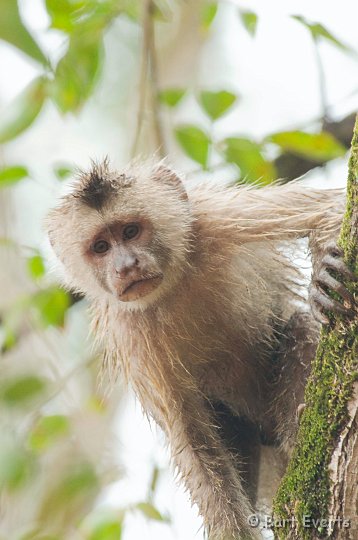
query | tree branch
[143, 76]
[149, 82]
[322, 475]
[153, 64]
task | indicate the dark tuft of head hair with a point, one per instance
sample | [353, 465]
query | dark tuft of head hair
[97, 187]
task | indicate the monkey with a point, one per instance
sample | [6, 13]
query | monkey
[194, 295]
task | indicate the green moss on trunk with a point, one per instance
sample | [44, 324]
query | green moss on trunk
[305, 489]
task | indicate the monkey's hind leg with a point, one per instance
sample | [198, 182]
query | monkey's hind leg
[242, 439]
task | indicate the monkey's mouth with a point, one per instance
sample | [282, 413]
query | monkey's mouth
[139, 288]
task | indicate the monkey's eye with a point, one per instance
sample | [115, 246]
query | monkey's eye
[130, 231]
[100, 246]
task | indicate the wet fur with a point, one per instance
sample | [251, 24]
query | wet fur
[214, 339]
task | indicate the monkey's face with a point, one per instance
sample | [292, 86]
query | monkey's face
[125, 235]
[126, 259]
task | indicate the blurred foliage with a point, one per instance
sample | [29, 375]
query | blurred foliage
[249, 20]
[172, 96]
[12, 175]
[63, 171]
[195, 143]
[320, 33]
[13, 31]
[208, 13]
[16, 467]
[36, 266]
[72, 80]
[21, 390]
[318, 146]
[43, 461]
[24, 110]
[249, 157]
[216, 104]
[47, 431]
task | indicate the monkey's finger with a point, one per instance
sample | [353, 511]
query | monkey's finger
[317, 311]
[332, 263]
[328, 304]
[324, 279]
[318, 315]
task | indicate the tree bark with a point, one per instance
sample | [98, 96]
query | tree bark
[318, 497]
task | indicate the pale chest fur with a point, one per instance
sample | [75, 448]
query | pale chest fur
[192, 336]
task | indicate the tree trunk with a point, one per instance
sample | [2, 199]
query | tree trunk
[318, 497]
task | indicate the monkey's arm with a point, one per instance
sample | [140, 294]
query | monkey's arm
[278, 212]
[204, 464]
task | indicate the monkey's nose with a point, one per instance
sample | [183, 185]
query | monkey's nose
[123, 266]
[124, 271]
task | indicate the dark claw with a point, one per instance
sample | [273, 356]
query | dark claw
[326, 302]
[333, 263]
[324, 279]
[317, 313]
[324, 282]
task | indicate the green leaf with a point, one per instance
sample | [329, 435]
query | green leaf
[84, 15]
[9, 338]
[16, 466]
[77, 72]
[108, 530]
[63, 171]
[194, 142]
[47, 431]
[249, 20]
[14, 32]
[79, 485]
[12, 320]
[12, 175]
[318, 31]
[316, 146]
[22, 112]
[216, 104]
[132, 8]
[154, 481]
[64, 13]
[81, 478]
[150, 511]
[171, 96]
[21, 390]
[36, 266]
[247, 155]
[51, 305]
[208, 14]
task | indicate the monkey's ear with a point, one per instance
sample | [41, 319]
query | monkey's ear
[51, 237]
[164, 174]
[53, 224]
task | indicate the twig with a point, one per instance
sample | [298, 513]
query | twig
[158, 127]
[149, 76]
[321, 80]
[143, 75]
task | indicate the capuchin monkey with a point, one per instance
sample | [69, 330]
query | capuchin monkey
[194, 295]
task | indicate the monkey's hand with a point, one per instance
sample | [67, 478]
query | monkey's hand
[329, 275]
